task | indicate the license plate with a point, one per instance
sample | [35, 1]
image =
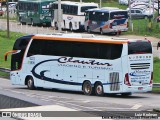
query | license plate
[140, 88]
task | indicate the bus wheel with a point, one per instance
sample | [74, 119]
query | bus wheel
[88, 30]
[30, 83]
[32, 23]
[56, 26]
[99, 89]
[87, 88]
[101, 31]
[70, 27]
[21, 22]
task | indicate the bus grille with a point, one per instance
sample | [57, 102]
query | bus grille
[140, 66]
[114, 80]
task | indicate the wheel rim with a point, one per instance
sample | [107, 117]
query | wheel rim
[99, 89]
[87, 88]
[30, 82]
[88, 30]
[71, 27]
[101, 31]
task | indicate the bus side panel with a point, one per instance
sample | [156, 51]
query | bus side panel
[113, 77]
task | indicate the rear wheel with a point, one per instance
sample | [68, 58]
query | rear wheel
[99, 89]
[70, 27]
[56, 26]
[87, 88]
[88, 30]
[30, 83]
[32, 22]
[101, 31]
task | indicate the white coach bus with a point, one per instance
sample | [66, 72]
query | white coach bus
[73, 14]
[78, 63]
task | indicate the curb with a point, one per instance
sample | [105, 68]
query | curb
[5, 70]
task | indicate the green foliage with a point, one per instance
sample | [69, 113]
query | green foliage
[156, 70]
[4, 75]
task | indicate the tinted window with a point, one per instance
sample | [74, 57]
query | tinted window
[17, 58]
[137, 11]
[75, 49]
[139, 47]
[98, 16]
[84, 8]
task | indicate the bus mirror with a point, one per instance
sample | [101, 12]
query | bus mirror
[158, 45]
[6, 54]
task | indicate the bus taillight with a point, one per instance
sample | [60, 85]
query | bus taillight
[110, 25]
[151, 81]
[126, 80]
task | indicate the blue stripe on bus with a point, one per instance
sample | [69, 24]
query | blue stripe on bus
[42, 77]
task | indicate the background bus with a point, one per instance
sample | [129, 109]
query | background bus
[92, 65]
[72, 15]
[34, 12]
[106, 20]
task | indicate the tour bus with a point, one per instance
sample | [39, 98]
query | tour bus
[85, 63]
[34, 12]
[106, 20]
[72, 15]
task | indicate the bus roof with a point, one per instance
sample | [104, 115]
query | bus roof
[84, 38]
[106, 9]
[36, 1]
[77, 3]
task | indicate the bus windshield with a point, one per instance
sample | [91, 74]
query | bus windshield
[84, 8]
[139, 47]
[118, 15]
[20, 45]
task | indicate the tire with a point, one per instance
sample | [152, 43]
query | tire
[70, 27]
[56, 26]
[20, 20]
[99, 89]
[87, 88]
[30, 83]
[88, 30]
[101, 31]
[32, 23]
[126, 94]
[145, 17]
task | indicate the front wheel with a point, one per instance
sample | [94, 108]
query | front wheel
[87, 88]
[88, 30]
[99, 89]
[30, 83]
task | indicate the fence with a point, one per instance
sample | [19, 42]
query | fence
[145, 27]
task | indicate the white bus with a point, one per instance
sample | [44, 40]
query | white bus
[72, 15]
[106, 20]
[78, 63]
